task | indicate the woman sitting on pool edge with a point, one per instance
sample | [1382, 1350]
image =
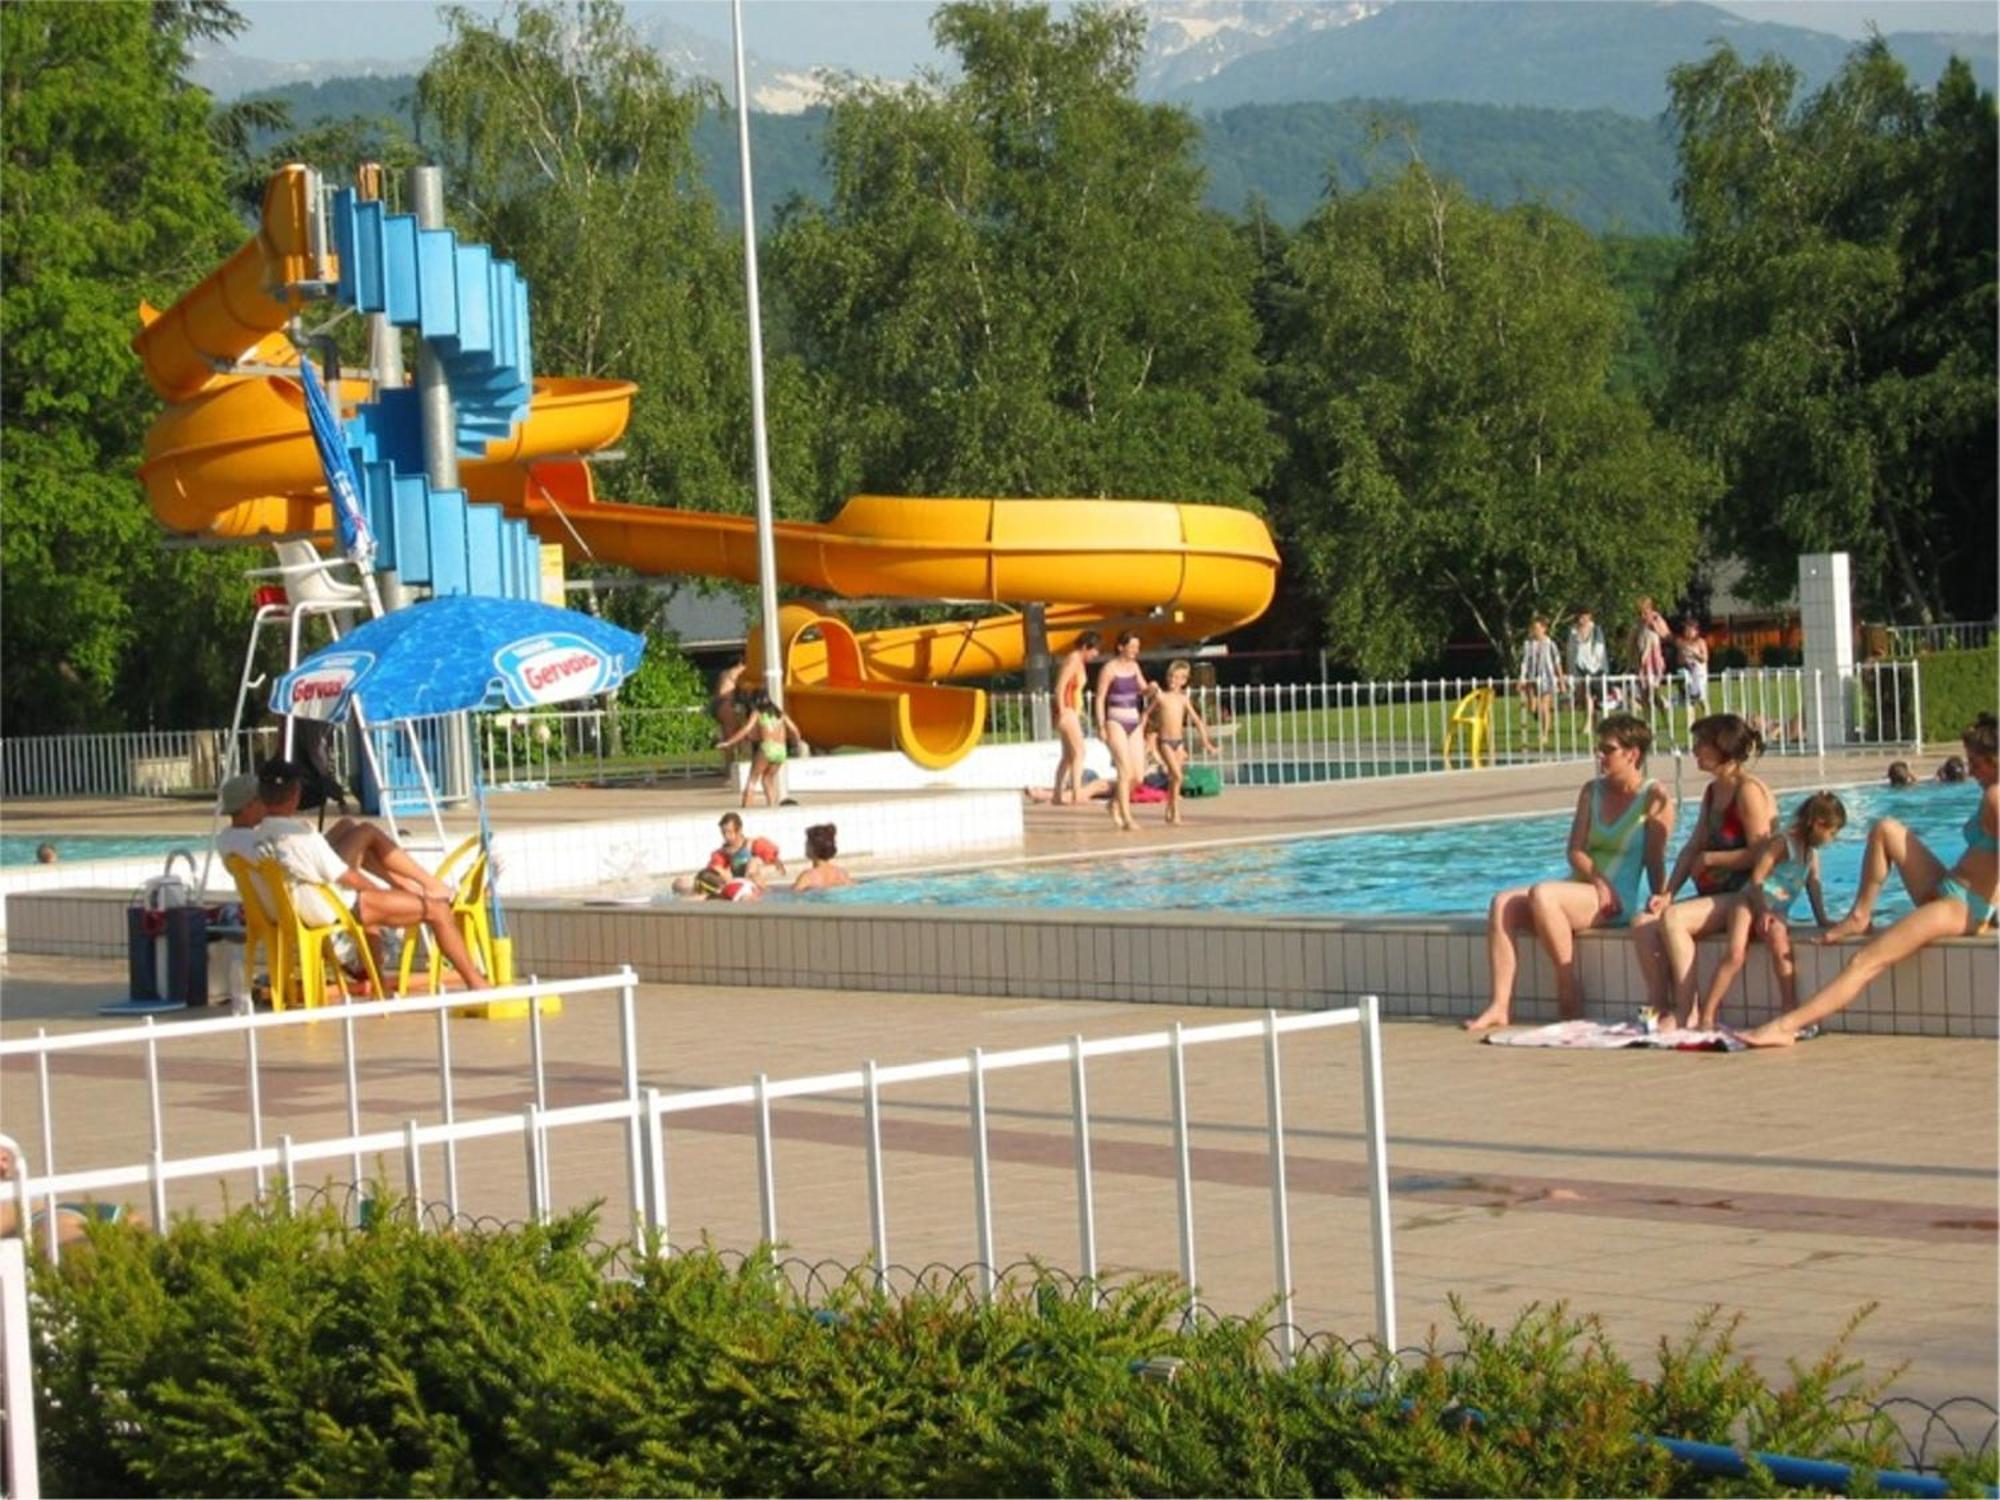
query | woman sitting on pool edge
[1620, 832]
[1738, 815]
[1958, 902]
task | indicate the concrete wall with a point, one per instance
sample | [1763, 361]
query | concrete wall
[1420, 967]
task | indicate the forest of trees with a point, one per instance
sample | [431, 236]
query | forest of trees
[1457, 404]
[1610, 172]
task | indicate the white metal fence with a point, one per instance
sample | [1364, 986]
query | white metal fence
[1268, 733]
[1297, 733]
[1950, 635]
[643, 1114]
[20, 1473]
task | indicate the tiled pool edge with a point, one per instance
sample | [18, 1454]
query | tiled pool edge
[1420, 966]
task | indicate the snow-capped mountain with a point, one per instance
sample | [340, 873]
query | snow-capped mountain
[1190, 41]
[775, 88]
[229, 75]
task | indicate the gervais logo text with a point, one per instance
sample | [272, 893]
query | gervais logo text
[316, 692]
[552, 668]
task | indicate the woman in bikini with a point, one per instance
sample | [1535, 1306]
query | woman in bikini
[1069, 716]
[772, 726]
[1958, 902]
[1738, 817]
[1619, 835]
[1121, 708]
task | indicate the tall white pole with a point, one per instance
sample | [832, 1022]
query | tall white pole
[767, 552]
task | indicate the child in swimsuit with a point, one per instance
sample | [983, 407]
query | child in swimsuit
[1170, 715]
[1069, 716]
[1958, 902]
[772, 726]
[1787, 865]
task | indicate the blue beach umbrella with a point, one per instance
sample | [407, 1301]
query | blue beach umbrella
[350, 521]
[459, 653]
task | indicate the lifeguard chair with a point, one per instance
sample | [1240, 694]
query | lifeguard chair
[1472, 714]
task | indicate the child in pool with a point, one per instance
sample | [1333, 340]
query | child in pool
[1171, 711]
[1787, 863]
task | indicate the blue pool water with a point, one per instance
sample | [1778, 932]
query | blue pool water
[1453, 869]
[19, 848]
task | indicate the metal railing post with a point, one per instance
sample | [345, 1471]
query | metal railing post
[1281, 1217]
[878, 1209]
[767, 1179]
[1086, 1208]
[982, 1184]
[1373, 1124]
[1183, 1167]
[23, 1473]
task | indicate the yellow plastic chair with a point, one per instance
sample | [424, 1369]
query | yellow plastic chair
[263, 931]
[310, 957]
[468, 865]
[1474, 715]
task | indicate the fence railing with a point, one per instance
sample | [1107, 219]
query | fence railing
[1951, 635]
[20, 1468]
[1268, 733]
[643, 1113]
[1299, 733]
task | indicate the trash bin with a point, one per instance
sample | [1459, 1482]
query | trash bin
[186, 977]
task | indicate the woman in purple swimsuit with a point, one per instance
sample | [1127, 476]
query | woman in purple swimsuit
[1121, 705]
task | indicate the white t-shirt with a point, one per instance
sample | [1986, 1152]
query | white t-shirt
[308, 860]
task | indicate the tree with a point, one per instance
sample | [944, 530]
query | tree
[1457, 452]
[114, 191]
[567, 146]
[1015, 290]
[1832, 327]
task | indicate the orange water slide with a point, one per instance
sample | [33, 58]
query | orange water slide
[1172, 572]
[232, 456]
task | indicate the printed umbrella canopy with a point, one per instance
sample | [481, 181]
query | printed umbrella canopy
[456, 653]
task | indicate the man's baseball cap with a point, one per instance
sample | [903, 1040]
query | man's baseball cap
[238, 792]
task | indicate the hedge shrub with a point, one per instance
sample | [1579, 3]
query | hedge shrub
[1958, 686]
[272, 1354]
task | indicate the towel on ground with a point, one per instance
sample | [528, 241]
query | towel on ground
[1611, 1035]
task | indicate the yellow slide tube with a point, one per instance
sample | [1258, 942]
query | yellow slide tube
[232, 456]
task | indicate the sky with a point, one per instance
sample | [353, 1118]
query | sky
[889, 37]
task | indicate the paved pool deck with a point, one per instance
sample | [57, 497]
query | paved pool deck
[1795, 1188]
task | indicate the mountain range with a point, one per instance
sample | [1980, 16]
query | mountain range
[1215, 54]
[1553, 54]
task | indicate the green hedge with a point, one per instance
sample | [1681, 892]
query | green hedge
[1958, 686]
[269, 1354]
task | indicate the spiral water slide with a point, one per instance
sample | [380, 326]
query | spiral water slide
[232, 457]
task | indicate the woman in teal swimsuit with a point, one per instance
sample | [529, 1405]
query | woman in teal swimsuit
[1958, 902]
[1619, 834]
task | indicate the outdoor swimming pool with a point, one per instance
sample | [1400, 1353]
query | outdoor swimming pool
[1445, 870]
[19, 848]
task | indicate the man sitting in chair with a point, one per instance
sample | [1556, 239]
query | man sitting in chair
[344, 858]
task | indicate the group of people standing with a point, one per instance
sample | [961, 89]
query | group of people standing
[1130, 712]
[1747, 875]
[1548, 675]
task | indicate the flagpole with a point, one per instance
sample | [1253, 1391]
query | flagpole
[767, 554]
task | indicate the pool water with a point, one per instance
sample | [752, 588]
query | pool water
[1452, 869]
[19, 848]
